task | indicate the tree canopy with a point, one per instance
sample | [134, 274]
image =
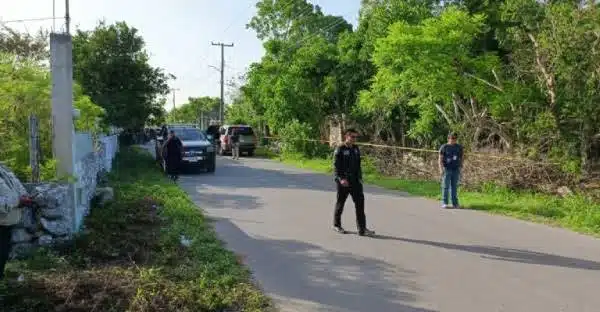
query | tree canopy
[191, 111]
[111, 65]
[513, 76]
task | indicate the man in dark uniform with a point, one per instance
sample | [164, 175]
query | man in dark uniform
[173, 154]
[348, 178]
[213, 130]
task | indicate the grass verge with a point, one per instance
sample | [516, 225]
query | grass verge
[131, 258]
[574, 212]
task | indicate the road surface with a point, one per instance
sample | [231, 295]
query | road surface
[425, 259]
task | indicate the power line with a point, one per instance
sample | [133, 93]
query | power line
[236, 18]
[25, 20]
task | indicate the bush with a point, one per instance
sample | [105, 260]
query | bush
[297, 139]
[25, 90]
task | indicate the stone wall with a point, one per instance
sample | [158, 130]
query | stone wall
[60, 208]
[48, 221]
[88, 166]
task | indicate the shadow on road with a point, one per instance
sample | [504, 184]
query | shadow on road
[508, 254]
[235, 174]
[304, 274]
[220, 201]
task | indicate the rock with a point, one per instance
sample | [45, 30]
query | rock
[51, 195]
[53, 214]
[20, 235]
[21, 249]
[54, 200]
[45, 240]
[564, 191]
[29, 220]
[104, 195]
[56, 227]
[102, 177]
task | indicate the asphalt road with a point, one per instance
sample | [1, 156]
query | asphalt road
[425, 259]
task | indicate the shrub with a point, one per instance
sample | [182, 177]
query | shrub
[25, 89]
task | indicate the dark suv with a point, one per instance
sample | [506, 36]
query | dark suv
[198, 151]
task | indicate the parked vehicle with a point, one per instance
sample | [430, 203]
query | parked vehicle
[248, 140]
[199, 152]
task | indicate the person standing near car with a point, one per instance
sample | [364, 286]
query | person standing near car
[450, 162]
[348, 179]
[173, 154]
[213, 129]
[235, 144]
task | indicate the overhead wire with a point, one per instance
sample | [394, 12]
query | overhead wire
[25, 20]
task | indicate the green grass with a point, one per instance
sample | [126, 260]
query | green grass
[574, 212]
[130, 257]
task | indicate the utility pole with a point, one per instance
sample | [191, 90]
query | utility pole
[53, 15]
[173, 93]
[67, 18]
[222, 108]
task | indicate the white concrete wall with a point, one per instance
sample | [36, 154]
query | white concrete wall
[109, 146]
[91, 159]
[83, 145]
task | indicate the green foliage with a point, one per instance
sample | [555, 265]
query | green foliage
[32, 47]
[112, 67]
[191, 111]
[515, 76]
[25, 90]
[131, 257]
[296, 140]
[90, 115]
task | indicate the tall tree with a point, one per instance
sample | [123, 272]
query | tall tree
[23, 44]
[191, 111]
[112, 66]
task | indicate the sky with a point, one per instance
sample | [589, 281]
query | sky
[178, 33]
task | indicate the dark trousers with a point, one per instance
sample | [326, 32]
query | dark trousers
[5, 242]
[173, 165]
[358, 197]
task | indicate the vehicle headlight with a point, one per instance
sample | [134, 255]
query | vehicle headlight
[210, 149]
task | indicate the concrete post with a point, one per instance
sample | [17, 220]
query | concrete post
[63, 132]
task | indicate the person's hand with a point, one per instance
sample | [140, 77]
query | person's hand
[344, 182]
[25, 200]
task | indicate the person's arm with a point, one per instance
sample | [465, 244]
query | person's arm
[461, 157]
[441, 158]
[165, 148]
[338, 164]
[360, 177]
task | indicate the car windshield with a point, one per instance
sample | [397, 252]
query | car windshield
[242, 130]
[189, 134]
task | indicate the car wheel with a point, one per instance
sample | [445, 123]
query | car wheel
[251, 153]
